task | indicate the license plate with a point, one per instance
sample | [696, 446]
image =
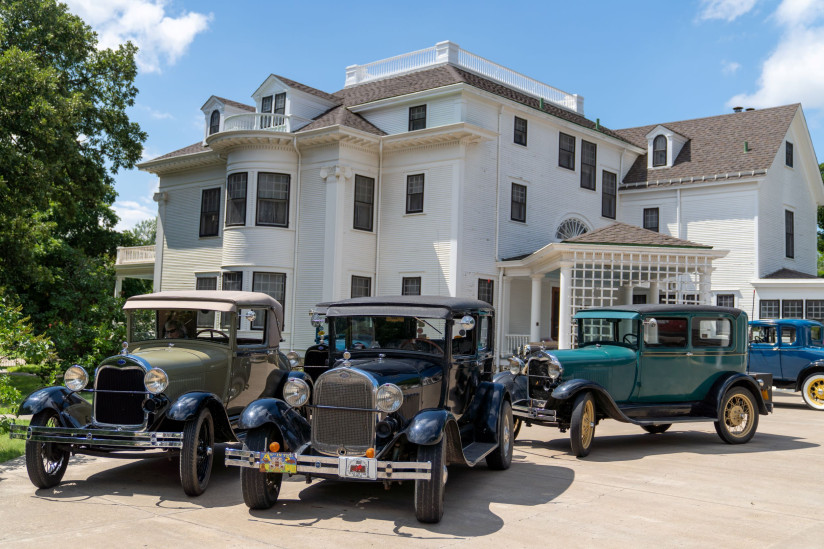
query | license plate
[358, 467]
[278, 462]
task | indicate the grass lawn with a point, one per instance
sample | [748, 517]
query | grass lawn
[11, 448]
[26, 385]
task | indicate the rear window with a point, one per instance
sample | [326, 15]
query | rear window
[711, 332]
[666, 332]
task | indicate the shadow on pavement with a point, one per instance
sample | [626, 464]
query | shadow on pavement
[157, 477]
[471, 493]
[675, 441]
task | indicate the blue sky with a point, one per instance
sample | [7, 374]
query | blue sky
[636, 62]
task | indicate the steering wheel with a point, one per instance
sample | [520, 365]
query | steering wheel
[412, 345]
[631, 339]
[212, 333]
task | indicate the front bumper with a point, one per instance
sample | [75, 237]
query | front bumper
[333, 467]
[102, 438]
[534, 410]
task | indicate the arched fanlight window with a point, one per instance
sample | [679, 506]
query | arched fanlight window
[659, 151]
[570, 228]
[214, 122]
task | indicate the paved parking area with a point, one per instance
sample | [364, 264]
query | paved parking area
[684, 488]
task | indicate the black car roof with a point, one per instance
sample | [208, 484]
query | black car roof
[410, 302]
[657, 309]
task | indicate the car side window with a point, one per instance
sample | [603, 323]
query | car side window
[463, 341]
[763, 334]
[666, 332]
[788, 335]
[483, 329]
[711, 332]
[815, 335]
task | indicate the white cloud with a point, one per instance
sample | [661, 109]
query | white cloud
[730, 67]
[156, 114]
[728, 10]
[131, 213]
[792, 72]
[160, 37]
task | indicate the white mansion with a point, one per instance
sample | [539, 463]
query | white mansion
[440, 172]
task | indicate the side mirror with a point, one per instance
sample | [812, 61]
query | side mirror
[317, 320]
[250, 315]
[467, 322]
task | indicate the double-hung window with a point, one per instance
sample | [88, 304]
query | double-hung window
[414, 193]
[411, 285]
[486, 290]
[651, 219]
[273, 199]
[214, 122]
[609, 183]
[789, 233]
[659, 151]
[361, 286]
[273, 285]
[566, 151]
[364, 202]
[520, 131]
[518, 206]
[417, 117]
[236, 199]
[589, 152]
[788, 154]
[209, 212]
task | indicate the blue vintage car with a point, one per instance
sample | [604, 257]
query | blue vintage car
[792, 350]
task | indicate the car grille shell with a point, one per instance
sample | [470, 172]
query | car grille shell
[339, 430]
[120, 408]
[538, 380]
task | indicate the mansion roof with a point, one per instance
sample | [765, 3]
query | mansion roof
[623, 234]
[715, 146]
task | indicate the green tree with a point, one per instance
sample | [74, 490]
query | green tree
[64, 133]
[143, 234]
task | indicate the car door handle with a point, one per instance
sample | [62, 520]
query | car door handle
[689, 354]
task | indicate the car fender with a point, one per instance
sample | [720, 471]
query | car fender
[73, 410]
[428, 427]
[188, 406]
[293, 427]
[515, 384]
[811, 368]
[566, 392]
[485, 408]
[734, 379]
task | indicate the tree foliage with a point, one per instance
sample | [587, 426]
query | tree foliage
[64, 133]
[143, 234]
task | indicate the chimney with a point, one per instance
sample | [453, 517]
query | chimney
[737, 109]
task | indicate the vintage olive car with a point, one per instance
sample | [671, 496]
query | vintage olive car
[650, 365]
[409, 391]
[192, 362]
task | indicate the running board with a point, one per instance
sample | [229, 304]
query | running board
[476, 451]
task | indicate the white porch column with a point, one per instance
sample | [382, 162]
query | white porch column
[535, 314]
[505, 314]
[565, 318]
[335, 178]
[704, 286]
[654, 295]
[118, 285]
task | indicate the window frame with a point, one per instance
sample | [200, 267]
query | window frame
[287, 201]
[566, 153]
[231, 274]
[608, 197]
[520, 134]
[658, 152]
[417, 117]
[409, 282]
[789, 161]
[797, 304]
[360, 279]
[214, 125]
[789, 234]
[648, 214]
[362, 179]
[410, 179]
[486, 286]
[280, 298]
[279, 104]
[589, 169]
[239, 199]
[718, 299]
[767, 305]
[521, 204]
[203, 213]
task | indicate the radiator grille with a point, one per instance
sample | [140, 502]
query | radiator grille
[119, 408]
[538, 379]
[343, 432]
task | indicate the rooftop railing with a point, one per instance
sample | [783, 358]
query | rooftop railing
[448, 52]
[263, 121]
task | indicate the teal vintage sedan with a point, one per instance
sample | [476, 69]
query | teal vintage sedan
[192, 362]
[650, 365]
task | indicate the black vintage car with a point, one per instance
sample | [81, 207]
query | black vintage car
[192, 362]
[409, 391]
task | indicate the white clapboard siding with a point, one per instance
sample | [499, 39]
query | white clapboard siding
[440, 111]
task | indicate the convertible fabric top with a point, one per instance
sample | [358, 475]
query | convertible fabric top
[212, 300]
[406, 305]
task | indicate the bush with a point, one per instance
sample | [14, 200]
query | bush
[9, 396]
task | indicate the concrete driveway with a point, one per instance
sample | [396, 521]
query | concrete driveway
[684, 488]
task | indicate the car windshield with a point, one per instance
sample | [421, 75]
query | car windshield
[608, 331]
[425, 335]
[188, 324]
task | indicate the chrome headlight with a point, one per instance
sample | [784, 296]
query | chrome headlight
[75, 378]
[156, 381]
[516, 365]
[390, 397]
[296, 392]
[554, 368]
[293, 358]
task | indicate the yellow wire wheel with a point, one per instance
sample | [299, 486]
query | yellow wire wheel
[582, 424]
[813, 391]
[738, 417]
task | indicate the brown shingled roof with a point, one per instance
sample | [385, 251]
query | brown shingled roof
[308, 89]
[191, 149]
[446, 75]
[229, 102]
[629, 235]
[341, 116]
[789, 273]
[716, 144]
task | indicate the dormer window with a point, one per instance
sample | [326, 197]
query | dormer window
[280, 103]
[214, 122]
[659, 151]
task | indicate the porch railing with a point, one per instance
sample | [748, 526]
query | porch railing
[135, 254]
[512, 342]
[263, 121]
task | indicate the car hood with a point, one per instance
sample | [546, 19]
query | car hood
[174, 358]
[406, 373]
[594, 354]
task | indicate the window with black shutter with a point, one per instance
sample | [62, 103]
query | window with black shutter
[209, 212]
